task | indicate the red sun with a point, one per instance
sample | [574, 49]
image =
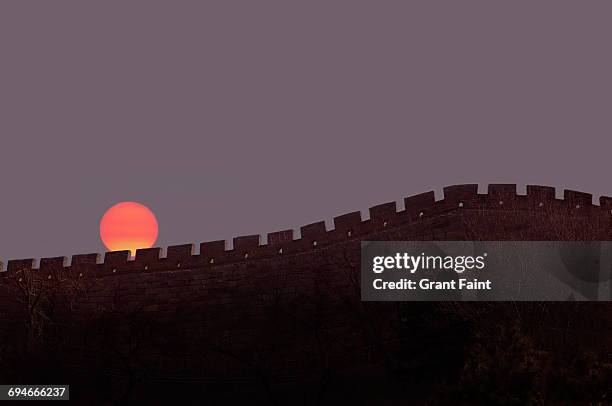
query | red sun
[128, 226]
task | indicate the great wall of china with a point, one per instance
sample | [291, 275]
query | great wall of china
[419, 212]
[285, 311]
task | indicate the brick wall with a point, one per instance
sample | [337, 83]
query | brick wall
[289, 309]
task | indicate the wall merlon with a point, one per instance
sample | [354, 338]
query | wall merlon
[349, 221]
[578, 199]
[383, 212]
[212, 250]
[460, 197]
[147, 256]
[280, 237]
[504, 195]
[16, 265]
[541, 196]
[179, 252]
[247, 242]
[116, 260]
[85, 259]
[53, 264]
[606, 202]
[315, 231]
[181, 256]
[417, 204]
[502, 190]
[460, 192]
[541, 192]
[85, 263]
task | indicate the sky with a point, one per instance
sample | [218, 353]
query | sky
[238, 117]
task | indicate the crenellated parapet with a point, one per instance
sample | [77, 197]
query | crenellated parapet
[417, 209]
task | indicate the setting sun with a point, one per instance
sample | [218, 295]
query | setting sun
[128, 226]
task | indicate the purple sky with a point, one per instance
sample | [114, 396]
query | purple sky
[249, 117]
